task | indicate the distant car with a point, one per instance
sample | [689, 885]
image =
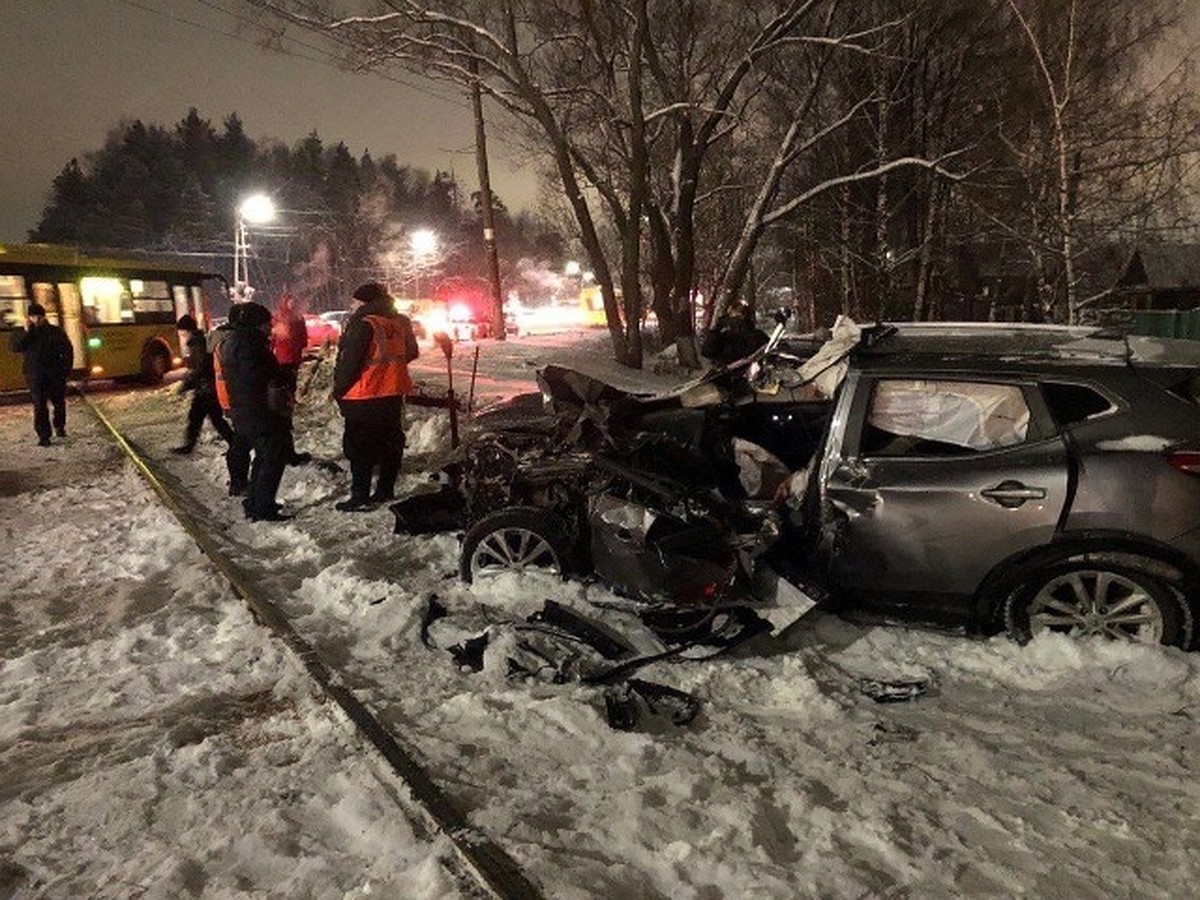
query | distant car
[321, 331]
[337, 317]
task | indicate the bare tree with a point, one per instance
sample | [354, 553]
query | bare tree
[1099, 155]
[629, 98]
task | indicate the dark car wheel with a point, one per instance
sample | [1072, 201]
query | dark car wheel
[1085, 599]
[518, 539]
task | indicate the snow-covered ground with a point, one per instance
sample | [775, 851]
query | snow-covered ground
[156, 742]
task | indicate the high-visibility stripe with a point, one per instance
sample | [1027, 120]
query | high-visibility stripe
[219, 378]
[385, 370]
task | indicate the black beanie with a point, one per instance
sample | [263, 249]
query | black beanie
[35, 309]
[252, 314]
[186, 323]
[370, 292]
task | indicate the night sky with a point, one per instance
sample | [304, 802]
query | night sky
[73, 68]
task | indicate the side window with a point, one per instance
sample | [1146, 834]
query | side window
[13, 300]
[106, 301]
[917, 417]
[151, 301]
[1072, 403]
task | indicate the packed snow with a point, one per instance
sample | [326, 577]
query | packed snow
[157, 742]
[1137, 443]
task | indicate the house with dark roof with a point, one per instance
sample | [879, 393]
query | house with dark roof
[1161, 276]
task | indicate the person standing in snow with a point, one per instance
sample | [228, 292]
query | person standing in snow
[48, 360]
[200, 380]
[258, 405]
[733, 337]
[237, 457]
[289, 339]
[370, 381]
[289, 335]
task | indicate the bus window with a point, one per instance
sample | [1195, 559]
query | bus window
[107, 299]
[151, 301]
[13, 301]
[47, 296]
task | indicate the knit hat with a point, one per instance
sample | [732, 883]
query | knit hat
[35, 309]
[186, 323]
[251, 314]
[370, 292]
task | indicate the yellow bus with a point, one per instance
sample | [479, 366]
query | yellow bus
[119, 313]
[591, 303]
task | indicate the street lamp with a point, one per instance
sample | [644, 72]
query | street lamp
[424, 245]
[257, 209]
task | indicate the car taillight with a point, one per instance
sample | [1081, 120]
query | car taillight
[1186, 461]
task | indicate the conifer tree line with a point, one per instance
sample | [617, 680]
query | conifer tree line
[343, 220]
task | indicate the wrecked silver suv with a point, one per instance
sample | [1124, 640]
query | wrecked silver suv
[1024, 477]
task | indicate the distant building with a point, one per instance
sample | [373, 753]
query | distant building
[997, 282]
[1161, 276]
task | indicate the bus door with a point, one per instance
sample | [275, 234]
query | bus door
[13, 304]
[72, 320]
[62, 309]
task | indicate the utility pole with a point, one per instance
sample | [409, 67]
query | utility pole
[485, 203]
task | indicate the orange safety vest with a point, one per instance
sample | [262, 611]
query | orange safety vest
[219, 378]
[385, 370]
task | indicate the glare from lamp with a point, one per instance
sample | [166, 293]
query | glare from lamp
[424, 242]
[257, 209]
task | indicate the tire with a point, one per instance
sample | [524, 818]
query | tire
[156, 362]
[517, 539]
[1083, 598]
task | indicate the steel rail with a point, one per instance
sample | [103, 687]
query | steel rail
[490, 864]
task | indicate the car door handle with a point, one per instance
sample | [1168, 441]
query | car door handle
[1011, 494]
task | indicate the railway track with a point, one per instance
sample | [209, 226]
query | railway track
[482, 862]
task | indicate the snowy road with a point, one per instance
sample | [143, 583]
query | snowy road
[1053, 770]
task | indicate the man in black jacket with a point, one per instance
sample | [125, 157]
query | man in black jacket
[370, 381]
[49, 358]
[734, 336]
[258, 406]
[201, 382]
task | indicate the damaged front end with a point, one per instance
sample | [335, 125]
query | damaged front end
[657, 496]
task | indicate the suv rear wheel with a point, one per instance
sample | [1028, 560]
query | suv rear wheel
[1087, 598]
[517, 539]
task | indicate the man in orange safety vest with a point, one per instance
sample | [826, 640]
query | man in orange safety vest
[370, 381]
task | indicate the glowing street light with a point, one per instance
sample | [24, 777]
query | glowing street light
[424, 245]
[424, 242]
[572, 269]
[257, 209]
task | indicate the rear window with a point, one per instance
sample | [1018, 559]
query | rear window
[1073, 403]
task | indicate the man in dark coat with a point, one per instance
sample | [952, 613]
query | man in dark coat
[258, 405]
[733, 337]
[201, 381]
[370, 381]
[48, 360]
[237, 457]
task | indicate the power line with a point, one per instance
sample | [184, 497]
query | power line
[324, 58]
